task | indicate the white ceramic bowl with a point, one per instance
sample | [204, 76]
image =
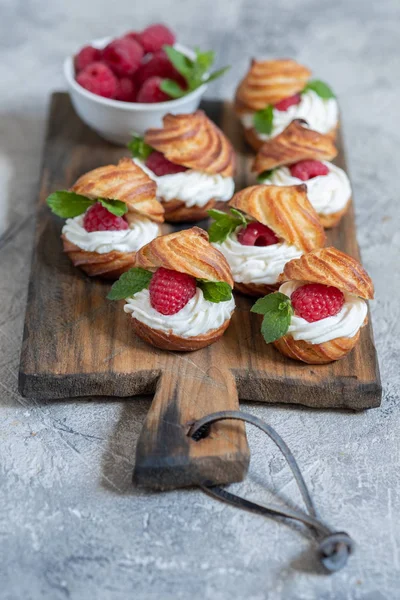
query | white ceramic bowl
[117, 121]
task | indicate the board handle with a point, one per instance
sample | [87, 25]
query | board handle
[166, 456]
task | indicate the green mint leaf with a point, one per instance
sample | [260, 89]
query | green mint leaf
[319, 87]
[116, 207]
[204, 60]
[263, 119]
[130, 283]
[68, 204]
[224, 224]
[270, 302]
[274, 326]
[217, 74]
[172, 88]
[181, 62]
[277, 310]
[215, 291]
[265, 175]
[195, 72]
[139, 148]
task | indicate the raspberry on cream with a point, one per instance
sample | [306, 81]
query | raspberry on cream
[328, 194]
[345, 324]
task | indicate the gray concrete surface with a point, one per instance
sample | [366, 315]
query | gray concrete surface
[71, 524]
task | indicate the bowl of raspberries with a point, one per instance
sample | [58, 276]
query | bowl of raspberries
[122, 86]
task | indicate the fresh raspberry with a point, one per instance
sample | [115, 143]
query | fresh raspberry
[123, 56]
[153, 38]
[98, 218]
[126, 90]
[133, 35]
[315, 301]
[257, 234]
[151, 92]
[86, 56]
[98, 79]
[307, 169]
[160, 165]
[170, 291]
[284, 104]
[159, 65]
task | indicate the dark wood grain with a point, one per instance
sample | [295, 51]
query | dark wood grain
[78, 344]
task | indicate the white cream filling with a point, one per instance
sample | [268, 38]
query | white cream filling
[327, 193]
[141, 231]
[345, 324]
[321, 115]
[256, 264]
[194, 188]
[198, 317]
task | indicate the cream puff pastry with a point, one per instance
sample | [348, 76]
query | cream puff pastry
[267, 227]
[319, 310]
[301, 155]
[192, 162]
[111, 212]
[274, 92]
[179, 294]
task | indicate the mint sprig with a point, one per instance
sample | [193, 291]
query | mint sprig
[215, 291]
[265, 175]
[115, 207]
[263, 119]
[130, 283]
[319, 87]
[139, 148]
[137, 279]
[224, 224]
[277, 310]
[68, 204]
[195, 72]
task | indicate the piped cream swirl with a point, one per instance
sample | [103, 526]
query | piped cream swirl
[194, 188]
[198, 317]
[321, 115]
[256, 264]
[141, 231]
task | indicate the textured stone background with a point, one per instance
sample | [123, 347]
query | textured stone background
[71, 524]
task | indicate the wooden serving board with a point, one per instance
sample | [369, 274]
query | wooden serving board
[77, 344]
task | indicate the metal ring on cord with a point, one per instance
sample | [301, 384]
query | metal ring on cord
[334, 547]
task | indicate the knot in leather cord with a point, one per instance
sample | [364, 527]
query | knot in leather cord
[334, 550]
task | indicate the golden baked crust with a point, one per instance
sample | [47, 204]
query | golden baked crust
[176, 211]
[333, 219]
[125, 182]
[108, 266]
[255, 289]
[268, 82]
[286, 210]
[187, 251]
[177, 343]
[295, 143]
[315, 354]
[332, 267]
[194, 141]
[256, 143]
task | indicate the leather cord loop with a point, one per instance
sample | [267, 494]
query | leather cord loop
[334, 548]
